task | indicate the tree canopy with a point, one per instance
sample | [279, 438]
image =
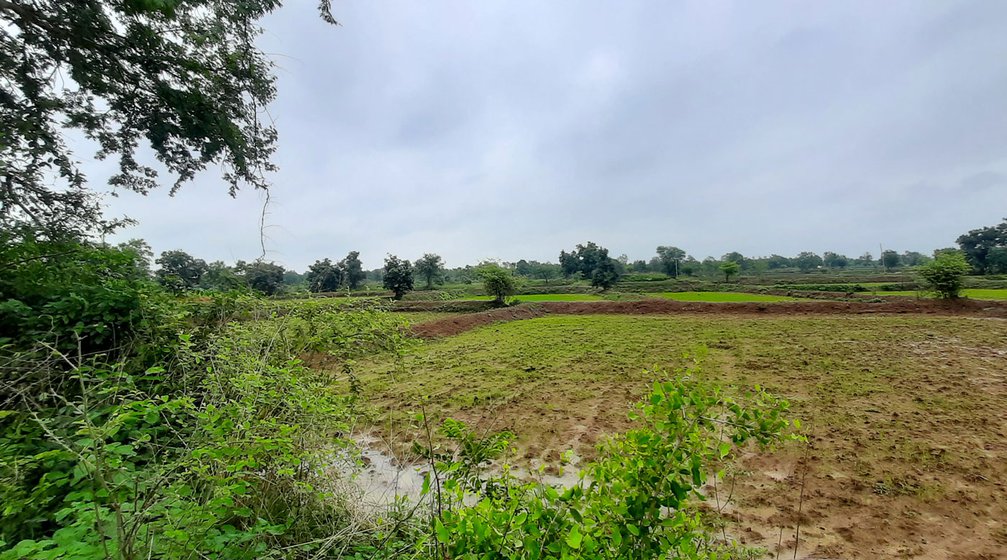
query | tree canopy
[430, 267]
[184, 78]
[398, 276]
[977, 244]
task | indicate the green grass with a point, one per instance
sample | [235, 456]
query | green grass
[973, 293]
[543, 297]
[723, 297]
[417, 317]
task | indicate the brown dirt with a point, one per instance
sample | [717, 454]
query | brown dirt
[915, 470]
[457, 325]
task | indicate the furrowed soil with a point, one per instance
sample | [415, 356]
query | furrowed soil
[906, 414]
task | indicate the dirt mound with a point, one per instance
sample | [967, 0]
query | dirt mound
[456, 325]
[460, 324]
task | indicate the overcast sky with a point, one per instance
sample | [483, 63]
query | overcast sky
[477, 129]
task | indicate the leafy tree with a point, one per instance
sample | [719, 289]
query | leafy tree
[776, 262]
[219, 276]
[398, 276]
[544, 271]
[807, 261]
[430, 267]
[497, 281]
[977, 244]
[945, 274]
[184, 78]
[605, 274]
[913, 258]
[353, 270]
[639, 266]
[671, 259]
[569, 263]
[324, 276]
[996, 260]
[729, 268]
[179, 270]
[590, 257]
[144, 255]
[737, 257]
[890, 259]
[294, 278]
[690, 266]
[865, 260]
[834, 260]
[264, 277]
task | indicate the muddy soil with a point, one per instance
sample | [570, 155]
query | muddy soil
[457, 325]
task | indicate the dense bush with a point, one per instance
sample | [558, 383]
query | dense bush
[945, 274]
[134, 424]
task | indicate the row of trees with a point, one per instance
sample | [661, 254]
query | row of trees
[984, 249]
[326, 276]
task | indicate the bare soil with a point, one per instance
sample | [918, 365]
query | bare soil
[459, 324]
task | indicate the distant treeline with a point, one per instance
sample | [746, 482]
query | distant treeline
[984, 248]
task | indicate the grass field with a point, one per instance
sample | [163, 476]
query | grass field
[907, 416]
[417, 317]
[544, 297]
[720, 297]
[973, 293]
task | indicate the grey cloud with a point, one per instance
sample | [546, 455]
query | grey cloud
[515, 129]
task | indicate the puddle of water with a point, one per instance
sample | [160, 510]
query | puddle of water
[384, 480]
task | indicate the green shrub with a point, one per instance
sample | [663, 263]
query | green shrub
[498, 282]
[945, 274]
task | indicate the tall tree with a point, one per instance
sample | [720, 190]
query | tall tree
[606, 274]
[890, 259]
[264, 277]
[834, 260]
[671, 259]
[569, 263]
[430, 268]
[144, 255]
[977, 243]
[353, 271]
[179, 270]
[324, 276]
[807, 261]
[729, 268]
[398, 276]
[184, 78]
[220, 277]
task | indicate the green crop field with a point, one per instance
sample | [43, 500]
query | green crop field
[720, 297]
[973, 293]
[543, 297]
[905, 413]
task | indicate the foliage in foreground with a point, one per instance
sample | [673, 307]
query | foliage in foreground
[137, 425]
[637, 501]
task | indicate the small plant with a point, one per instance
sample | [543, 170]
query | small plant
[945, 274]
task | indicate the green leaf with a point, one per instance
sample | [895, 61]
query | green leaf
[574, 538]
[725, 448]
[443, 534]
